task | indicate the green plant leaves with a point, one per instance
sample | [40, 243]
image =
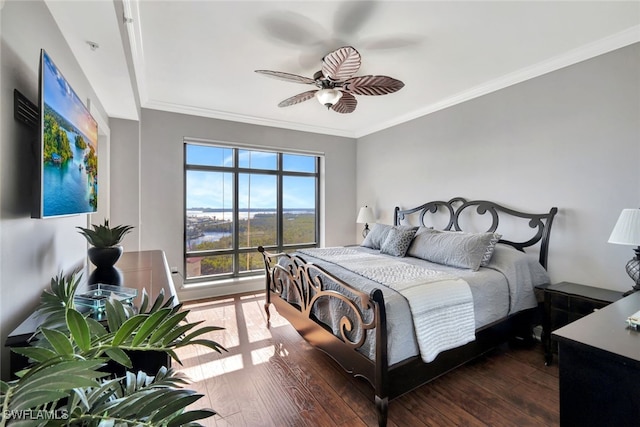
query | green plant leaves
[104, 236]
[179, 401]
[117, 314]
[69, 349]
[37, 354]
[49, 382]
[79, 329]
[149, 326]
[118, 355]
[60, 342]
[191, 416]
[165, 327]
[127, 328]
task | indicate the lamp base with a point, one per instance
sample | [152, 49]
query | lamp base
[633, 270]
[366, 230]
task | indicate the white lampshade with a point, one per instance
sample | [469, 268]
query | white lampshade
[365, 216]
[627, 229]
[328, 97]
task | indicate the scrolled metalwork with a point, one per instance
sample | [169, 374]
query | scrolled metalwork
[346, 323]
[541, 223]
[305, 285]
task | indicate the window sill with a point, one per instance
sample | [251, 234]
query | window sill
[217, 288]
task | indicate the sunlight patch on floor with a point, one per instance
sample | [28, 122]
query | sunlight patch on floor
[262, 355]
[214, 368]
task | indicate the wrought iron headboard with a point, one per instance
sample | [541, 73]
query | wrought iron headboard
[541, 223]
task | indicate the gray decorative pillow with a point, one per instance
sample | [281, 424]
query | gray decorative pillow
[376, 236]
[453, 248]
[490, 248]
[398, 241]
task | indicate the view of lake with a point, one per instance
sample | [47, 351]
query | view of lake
[66, 186]
[206, 237]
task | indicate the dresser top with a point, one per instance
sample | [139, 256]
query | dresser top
[606, 329]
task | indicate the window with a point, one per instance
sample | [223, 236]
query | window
[237, 199]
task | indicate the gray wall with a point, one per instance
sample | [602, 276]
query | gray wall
[32, 251]
[125, 178]
[161, 176]
[569, 139]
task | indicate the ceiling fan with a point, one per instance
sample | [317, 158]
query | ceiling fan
[335, 82]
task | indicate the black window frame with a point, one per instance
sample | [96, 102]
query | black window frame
[236, 251]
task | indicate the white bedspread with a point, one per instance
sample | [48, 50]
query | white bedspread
[441, 304]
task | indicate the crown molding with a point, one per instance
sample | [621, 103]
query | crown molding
[223, 115]
[583, 53]
[132, 23]
[591, 50]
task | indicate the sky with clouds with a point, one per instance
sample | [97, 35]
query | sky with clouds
[215, 189]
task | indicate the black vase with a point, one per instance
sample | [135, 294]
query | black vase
[104, 257]
[107, 275]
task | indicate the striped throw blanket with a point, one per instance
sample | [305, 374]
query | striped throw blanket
[441, 304]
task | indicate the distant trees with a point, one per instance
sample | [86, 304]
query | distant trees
[80, 142]
[56, 141]
[261, 230]
[91, 162]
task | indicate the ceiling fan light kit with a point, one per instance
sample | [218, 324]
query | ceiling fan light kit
[328, 97]
[336, 83]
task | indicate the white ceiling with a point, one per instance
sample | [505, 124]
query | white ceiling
[199, 57]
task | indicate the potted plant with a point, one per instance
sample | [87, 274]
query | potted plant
[66, 384]
[105, 241]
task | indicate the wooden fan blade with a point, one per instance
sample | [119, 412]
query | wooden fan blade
[301, 97]
[372, 85]
[341, 63]
[287, 76]
[346, 104]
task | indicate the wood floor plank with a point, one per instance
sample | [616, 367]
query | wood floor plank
[271, 377]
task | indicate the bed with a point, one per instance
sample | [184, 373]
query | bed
[443, 285]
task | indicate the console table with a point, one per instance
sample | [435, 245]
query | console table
[599, 367]
[147, 270]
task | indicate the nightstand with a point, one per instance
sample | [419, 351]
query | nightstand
[566, 302]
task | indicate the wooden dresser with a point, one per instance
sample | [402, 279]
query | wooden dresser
[599, 366]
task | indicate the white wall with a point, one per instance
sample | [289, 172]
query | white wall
[161, 212]
[32, 251]
[569, 139]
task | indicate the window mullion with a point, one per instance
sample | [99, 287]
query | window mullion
[279, 207]
[317, 219]
[236, 212]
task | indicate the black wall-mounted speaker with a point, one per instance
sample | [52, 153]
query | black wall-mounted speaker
[25, 111]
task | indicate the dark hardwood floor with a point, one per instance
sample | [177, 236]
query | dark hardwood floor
[272, 377]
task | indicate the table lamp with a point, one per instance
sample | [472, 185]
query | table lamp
[365, 215]
[627, 232]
